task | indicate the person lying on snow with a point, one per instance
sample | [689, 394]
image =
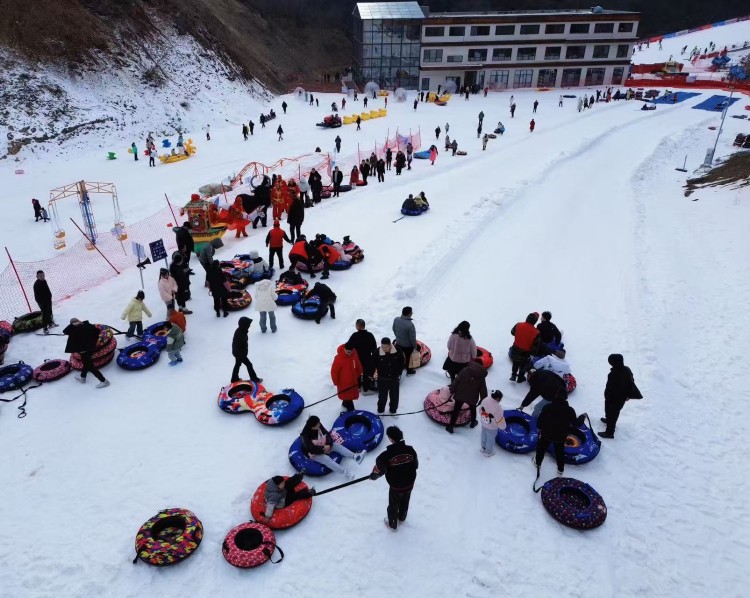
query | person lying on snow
[281, 493]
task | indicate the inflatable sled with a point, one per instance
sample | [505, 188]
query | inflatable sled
[28, 322]
[422, 155]
[238, 300]
[491, 136]
[460, 153]
[424, 353]
[285, 517]
[359, 430]
[352, 249]
[499, 131]
[104, 352]
[276, 409]
[250, 545]
[51, 370]
[520, 435]
[302, 266]
[138, 356]
[486, 357]
[341, 265]
[573, 503]
[332, 121]
[287, 295]
[415, 211]
[581, 445]
[169, 537]
[308, 466]
[307, 309]
[157, 335]
[13, 377]
[438, 405]
[236, 397]
[570, 382]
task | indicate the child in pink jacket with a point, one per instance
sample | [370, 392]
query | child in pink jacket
[491, 415]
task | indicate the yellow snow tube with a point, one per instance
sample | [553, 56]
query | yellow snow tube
[365, 116]
[382, 112]
[348, 120]
[383, 92]
[374, 113]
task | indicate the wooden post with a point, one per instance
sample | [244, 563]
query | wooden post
[25, 296]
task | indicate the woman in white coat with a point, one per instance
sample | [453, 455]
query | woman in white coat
[265, 303]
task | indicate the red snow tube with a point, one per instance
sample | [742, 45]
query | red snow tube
[250, 545]
[282, 518]
[100, 358]
[52, 369]
[438, 406]
[570, 382]
[486, 357]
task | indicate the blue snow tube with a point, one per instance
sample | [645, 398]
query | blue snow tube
[287, 297]
[361, 430]
[138, 356]
[415, 212]
[499, 131]
[281, 408]
[341, 265]
[520, 435]
[256, 276]
[307, 309]
[308, 466]
[423, 155]
[574, 503]
[581, 445]
[156, 334]
[13, 377]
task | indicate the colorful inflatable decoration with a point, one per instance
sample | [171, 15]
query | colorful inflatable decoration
[276, 409]
[308, 466]
[187, 150]
[106, 345]
[282, 518]
[570, 382]
[520, 435]
[51, 370]
[204, 224]
[574, 503]
[359, 430]
[13, 377]
[138, 356]
[250, 545]
[581, 446]
[332, 121]
[28, 322]
[169, 537]
[439, 404]
[237, 396]
[486, 357]
[157, 335]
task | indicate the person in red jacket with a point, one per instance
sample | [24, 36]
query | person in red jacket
[532, 124]
[330, 257]
[300, 252]
[525, 337]
[345, 372]
[275, 243]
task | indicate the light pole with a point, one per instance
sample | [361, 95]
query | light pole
[710, 154]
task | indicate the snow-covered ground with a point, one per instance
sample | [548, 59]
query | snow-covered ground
[585, 217]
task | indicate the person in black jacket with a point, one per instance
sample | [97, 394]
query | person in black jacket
[620, 387]
[338, 178]
[240, 350]
[389, 364]
[177, 271]
[337, 141]
[217, 285]
[400, 162]
[388, 158]
[291, 276]
[316, 185]
[380, 169]
[318, 444]
[399, 464]
[82, 339]
[327, 299]
[43, 298]
[548, 332]
[554, 423]
[185, 242]
[366, 346]
[364, 168]
[295, 217]
[545, 384]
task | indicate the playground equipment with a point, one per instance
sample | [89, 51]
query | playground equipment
[187, 150]
[204, 218]
[82, 190]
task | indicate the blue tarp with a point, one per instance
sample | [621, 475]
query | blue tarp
[681, 97]
[712, 103]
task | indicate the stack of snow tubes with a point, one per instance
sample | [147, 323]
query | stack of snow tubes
[269, 409]
[104, 352]
[14, 376]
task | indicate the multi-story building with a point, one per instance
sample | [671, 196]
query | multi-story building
[506, 49]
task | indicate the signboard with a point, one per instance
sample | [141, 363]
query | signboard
[138, 251]
[158, 252]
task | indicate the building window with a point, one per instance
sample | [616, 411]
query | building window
[526, 54]
[425, 83]
[523, 78]
[617, 75]
[434, 31]
[479, 30]
[625, 27]
[476, 55]
[456, 31]
[604, 27]
[499, 79]
[549, 29]
[571, 77]
[499, 54]
[547, 78]
[455, 58]
[432, 56]
[601, 52]
[595, 76]
[575, 52]
[529, 29]
[552, 53]
[579, 28]
[505, 30]
[623, 51]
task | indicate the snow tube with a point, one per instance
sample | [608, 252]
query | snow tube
[423, 155]
[498, 131]
[307, 309]
[341, 265]
[169, 537]
[520, 435]
[570, 382]
[157, 335]
[282, 518]
[573, 503]
[570, 95]
[13, 377]
[424, 353]
[287, 296]
[440, 103]
[249, 545]
[345, 188]
[415, 211]
[238, 300]
[581, 445]
[460, 153]
[278, 409]
[302, 267]
[325, 194]
[51, 370]
[28, 322]
[360, 430]
[308, 466]
[100, 358]
[486, 357]
[257, 276]
[235, 397]
[138, 356]
[438, 405]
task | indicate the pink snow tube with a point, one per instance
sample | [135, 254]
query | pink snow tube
[438, 405]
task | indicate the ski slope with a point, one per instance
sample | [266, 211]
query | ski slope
[585, 217]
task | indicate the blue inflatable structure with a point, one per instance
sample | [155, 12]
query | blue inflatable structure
[520, 435]
[360, 430]
[138, 356]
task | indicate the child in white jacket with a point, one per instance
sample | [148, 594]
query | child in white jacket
[491, 415]
[134, 314]
[265, 303]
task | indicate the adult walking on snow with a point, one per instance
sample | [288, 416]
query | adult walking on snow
[359, 122]
[251, 126]
[525, 338]
[380, 169]
[481, 117]
[388, 158]
[485, 139]
[43, 298]
[295, 217]
[265, 303]
[317, 445]
[240, 351]
[415, 104]
[346, 371]
[175, 342]
[82, 339]
[389, 364]
[208, 132]
[284, 106]
[180, 276]
[280, 132]
[218, 286]
[134, 151]
[437, 132]
[275, 243]
[461, 350]
[245, 131]
[469, 387]
[337, 177]
[620, 388]
[536, 104]
[367, 348]
[133, 313]
[433, 155]
[406, 336]
[532, 125]
[337, 141]
[399, 464]
[206, 255]
[37, 210]
[185, 241]
[512, 110]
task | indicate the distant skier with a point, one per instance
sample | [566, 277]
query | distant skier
[512, 110]
[134, 151]
[284, 106]
[536, 104]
